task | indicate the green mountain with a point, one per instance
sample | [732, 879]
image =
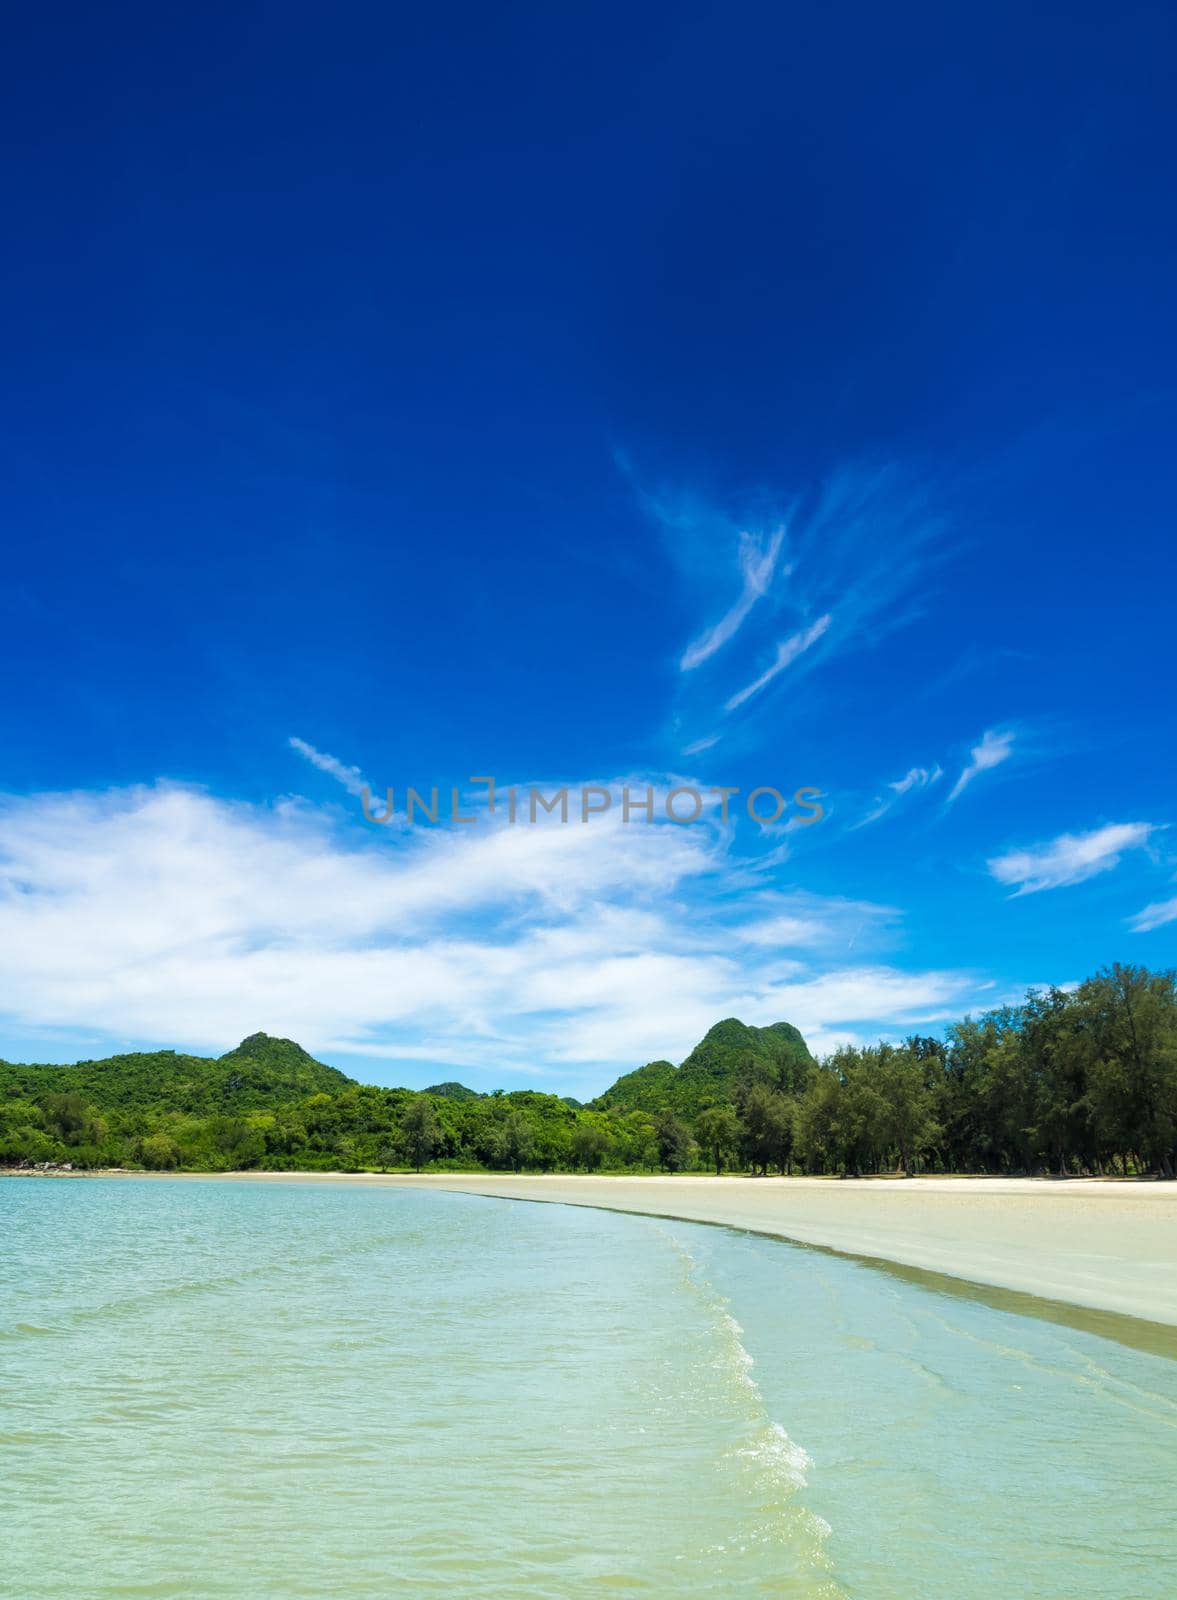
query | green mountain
[452, 1091]
[259, 1074]
[731, 1057]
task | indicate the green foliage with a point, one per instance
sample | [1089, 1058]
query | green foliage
[867, 1109]
[420, 1130]
[768, 1124]
[648, 1088]
[675, 1145]
[719, 1132]
[515, 1142]
[589, 1143]
[159, 1153]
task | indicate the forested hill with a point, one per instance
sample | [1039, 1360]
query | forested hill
[722, 1067]
[259, 1074]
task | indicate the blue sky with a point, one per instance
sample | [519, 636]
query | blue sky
[724, 394]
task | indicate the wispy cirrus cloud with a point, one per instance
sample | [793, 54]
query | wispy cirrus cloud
[993, 749]
[1071, 858]
[787, 652]
[915, 779]
[757, 559]
[351, 778]
[1156, 915]
[859, 548]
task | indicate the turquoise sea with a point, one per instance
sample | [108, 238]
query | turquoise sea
[218, 1389]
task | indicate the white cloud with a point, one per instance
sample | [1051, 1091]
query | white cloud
[163, 915]
[757, 565]
[915, 779]
[1071, 858]
[993, 749]
[351, 778]
[787, 652]
[700, 745]
[783, 932]
[1154, 916]
[811, 923]
[868, 994]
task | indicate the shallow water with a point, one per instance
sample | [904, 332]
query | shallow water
[283, 1390]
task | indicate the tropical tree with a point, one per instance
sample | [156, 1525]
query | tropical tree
[419, 1131]
[768, 1128]
[1129, 1016]
[516, 1141]
[588, 1145]
[674, 1142]
[902, 1080]
[718, 1131]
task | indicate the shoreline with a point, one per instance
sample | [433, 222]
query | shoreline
[1106, 1247]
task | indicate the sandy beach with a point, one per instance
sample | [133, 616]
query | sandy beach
[1107, 1247]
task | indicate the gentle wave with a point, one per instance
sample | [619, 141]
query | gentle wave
[771, 1467]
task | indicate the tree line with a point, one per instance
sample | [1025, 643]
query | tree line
[1073, 1082]
[1070, 1082]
